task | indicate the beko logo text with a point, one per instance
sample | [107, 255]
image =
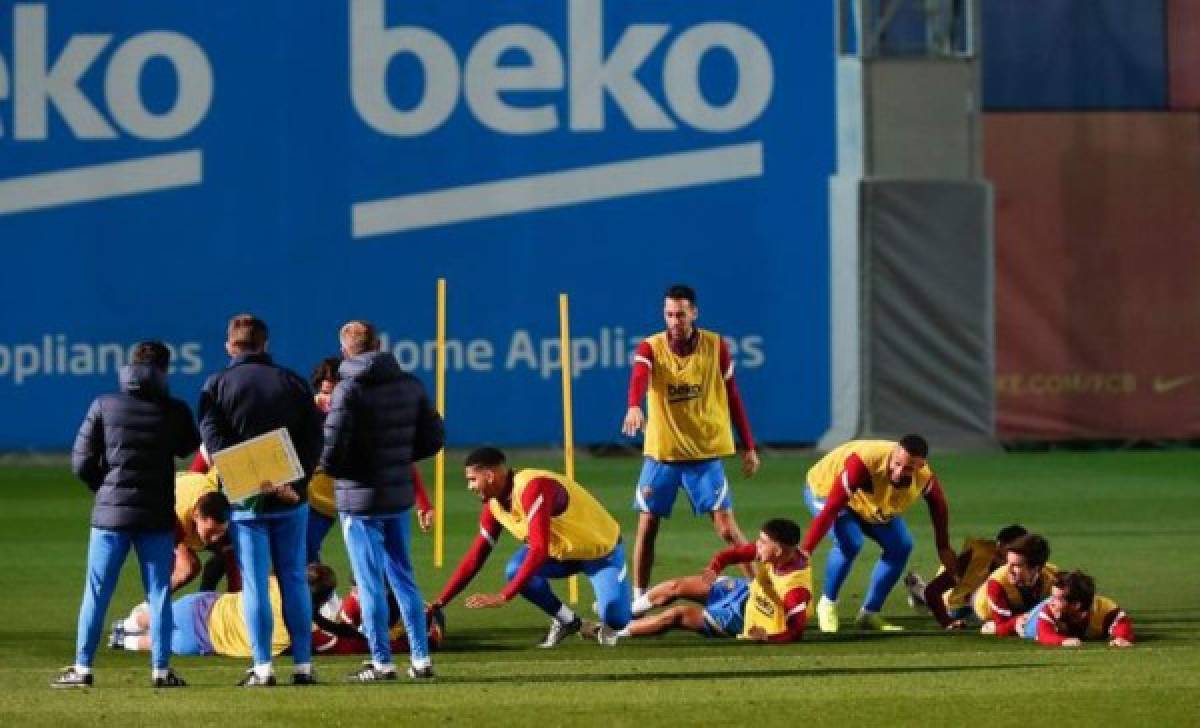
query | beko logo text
[588, 75]
[32, 82]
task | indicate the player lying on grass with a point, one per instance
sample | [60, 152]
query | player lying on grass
[209, 623]
[1074, 612]
[1014, 588]
[772, 607]
[950, 602]
[564, 531]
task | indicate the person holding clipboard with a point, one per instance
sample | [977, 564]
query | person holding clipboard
[251, 397]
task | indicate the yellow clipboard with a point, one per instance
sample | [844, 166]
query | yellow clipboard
[269, 458]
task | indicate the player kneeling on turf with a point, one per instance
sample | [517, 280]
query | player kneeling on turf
[1074, 612]
[771, 607]
[950, 602]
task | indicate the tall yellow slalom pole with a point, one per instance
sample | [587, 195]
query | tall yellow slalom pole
[564, 341]
[439, 463]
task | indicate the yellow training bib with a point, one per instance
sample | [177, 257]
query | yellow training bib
[687, 409]
[884, 501]
[583, 531]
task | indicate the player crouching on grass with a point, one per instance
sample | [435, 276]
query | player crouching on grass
[1074, 612]
[209, 623]
[772, 607]
[565, 531]
[950, 602]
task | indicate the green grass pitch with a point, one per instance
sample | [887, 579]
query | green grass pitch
[1130, 519]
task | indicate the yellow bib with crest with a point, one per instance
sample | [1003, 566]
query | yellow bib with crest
[189, 488]
[765, 607]
[583, 531]
[687, 413]
[884, 501]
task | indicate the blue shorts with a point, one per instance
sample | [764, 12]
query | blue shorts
[1030, 631]
[725, 611]
[703, 480]
[189, 633]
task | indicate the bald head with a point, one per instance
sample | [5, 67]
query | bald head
[357, 337]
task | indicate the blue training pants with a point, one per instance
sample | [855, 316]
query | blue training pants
[106, 555]
[848, 530]
[379, 555]
[608, 574]
[275, 539]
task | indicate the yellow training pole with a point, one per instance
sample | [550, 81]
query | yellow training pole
[439, 463]
[564, 340]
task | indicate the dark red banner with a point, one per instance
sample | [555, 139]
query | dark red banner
[1097, 274]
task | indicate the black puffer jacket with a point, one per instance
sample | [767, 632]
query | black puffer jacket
[253, 396]
[380, 423]
[126, 448]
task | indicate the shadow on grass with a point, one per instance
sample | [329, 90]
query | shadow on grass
[638, 676]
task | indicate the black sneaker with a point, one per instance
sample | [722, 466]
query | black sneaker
[252, 680]
[368, 673]
[421, 674]
[559, 632]
[170, 681]
[304, 678]
[69, 678]
[116, 640]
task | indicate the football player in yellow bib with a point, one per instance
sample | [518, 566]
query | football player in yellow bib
[201, 523]
[686, 376]
[771, 607]
[951, 603]
[564, 531]
[1074, 612]
[861, 488]
[1014, 588]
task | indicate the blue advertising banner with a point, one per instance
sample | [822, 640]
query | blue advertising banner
[166, 165]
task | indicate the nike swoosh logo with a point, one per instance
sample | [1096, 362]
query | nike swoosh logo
[1162, 386]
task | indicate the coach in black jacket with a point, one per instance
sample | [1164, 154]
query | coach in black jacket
[379, 423]
[250, 397]
[125, 452]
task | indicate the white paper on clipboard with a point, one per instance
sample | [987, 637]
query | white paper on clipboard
[269, 458]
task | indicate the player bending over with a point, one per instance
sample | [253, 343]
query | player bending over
[950, 602]
[1074, 612]
[773, 607]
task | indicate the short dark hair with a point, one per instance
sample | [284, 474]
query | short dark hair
[153, 353]
[326, 369]
[915, 445]
[1033, 547]
[487, 457]
[213, 505]
[247, 333]
[1008, 534]
[783, 531]
[322, 580]
[1080, 588]
[680, 292]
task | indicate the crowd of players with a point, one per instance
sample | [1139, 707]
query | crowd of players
[361, 425]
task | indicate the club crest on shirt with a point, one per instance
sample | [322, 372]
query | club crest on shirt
[683, 392]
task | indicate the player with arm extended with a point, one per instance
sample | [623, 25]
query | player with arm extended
[949, 602]
[862, 488]
[686, 376]
[564, 531]
[1014, 588]
[772, 607]
[1074, 612]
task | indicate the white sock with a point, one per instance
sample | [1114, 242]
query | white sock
[826, 601]
[641, 605]
[384, 667]
[565, 615]
[83, 670]
[623, 632]
[302, 668]
[638, 592]
[132, 642]
[422, 663]
[158, 672]
[264, 670]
